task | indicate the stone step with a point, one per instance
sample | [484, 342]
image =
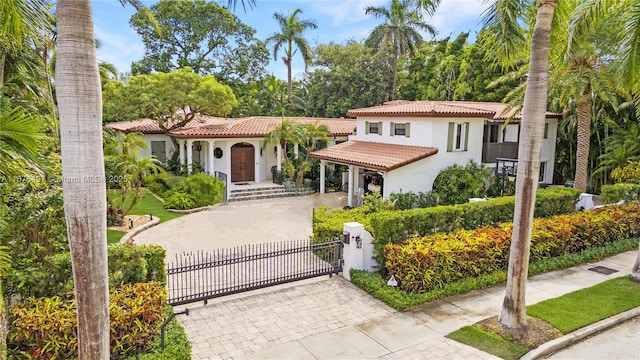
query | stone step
[257, 192]
[264, 188]
[263, 196]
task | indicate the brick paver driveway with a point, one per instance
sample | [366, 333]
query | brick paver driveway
[240, 223]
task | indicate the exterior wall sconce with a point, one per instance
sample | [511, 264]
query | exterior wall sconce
[358, 242]
[344, 237]
[199, 147]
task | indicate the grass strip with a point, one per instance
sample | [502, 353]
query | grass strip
[490, 343]
[587, 306]
[375, 285]
[114, 236]
[566, 313]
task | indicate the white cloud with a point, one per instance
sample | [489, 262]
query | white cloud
[346, 12]
[119, 49]
[455, 16]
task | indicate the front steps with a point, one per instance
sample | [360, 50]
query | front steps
[262, 193]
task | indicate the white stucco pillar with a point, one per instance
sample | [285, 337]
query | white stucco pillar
[323, 165]
[210, 146]
[256, 165]
[295, 151]
[279, 157]
[350, 187]
[189, 156]
[181, 150]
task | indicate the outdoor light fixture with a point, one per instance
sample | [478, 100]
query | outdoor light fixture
[344, 237]
[199, 147]
[358, 242]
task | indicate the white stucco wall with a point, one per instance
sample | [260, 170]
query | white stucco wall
[417, 177]
[548, 152]
[419, 132]
[440, 138]
[148, 138]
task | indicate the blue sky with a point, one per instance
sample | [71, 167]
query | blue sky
[338, 21]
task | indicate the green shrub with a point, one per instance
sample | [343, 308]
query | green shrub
[456, 184]
[180, 200]
[205, 189]
[163, 184]
[622, 191]
[420, 264]
[53, 275]
[46, 328]
[177, 345]
[395, 226]
[411, 200]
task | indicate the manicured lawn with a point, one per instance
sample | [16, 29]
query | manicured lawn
[566, 313]
[148, 204]
[489, 343]
[587, 306]
[114, 236]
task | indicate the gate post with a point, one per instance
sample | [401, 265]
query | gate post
[358, 252]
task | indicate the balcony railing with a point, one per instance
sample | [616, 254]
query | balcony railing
[492, 151]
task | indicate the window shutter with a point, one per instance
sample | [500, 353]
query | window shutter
[466, 136]
[380, 128]
[450, 137]
[366, 127]
[406, 130]
[393, 129]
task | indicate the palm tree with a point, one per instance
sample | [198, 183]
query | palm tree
[400, 31]
[19, 136]
[503, 23]
[80, 105]
[287, 132]
[291, 29]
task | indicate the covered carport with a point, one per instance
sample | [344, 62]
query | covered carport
[378, 158]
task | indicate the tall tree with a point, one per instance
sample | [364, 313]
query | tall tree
[343, 77]
[147, 96]
[79, 102]
[503, 22]
[400, 31]
[201, 35]
[291, 32]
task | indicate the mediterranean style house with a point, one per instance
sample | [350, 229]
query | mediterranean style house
[234, 147]
[402, 146]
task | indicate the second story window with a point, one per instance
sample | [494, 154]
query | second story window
[458, 138]
[400, 129]
[373, 127]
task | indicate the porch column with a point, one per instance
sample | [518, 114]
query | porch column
[210, 146]
[350, 187]
[323, 165]
[181, 151]
[256, 166]
[189, 155]
[279, 157]
[295, 151]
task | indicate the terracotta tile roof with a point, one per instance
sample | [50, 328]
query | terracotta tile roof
[259, 126]
[374, 155]
[149, 126]
[214, 127]
[487, 110]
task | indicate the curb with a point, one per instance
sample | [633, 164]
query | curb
[155, 220]
[195, 210]
[573, 337]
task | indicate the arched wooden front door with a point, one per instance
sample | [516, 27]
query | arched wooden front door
[243, 162]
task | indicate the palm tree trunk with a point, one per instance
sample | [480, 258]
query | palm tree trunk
[289, 87]
[80, 107]
[513, 313]
[584, 139]
[635, 272]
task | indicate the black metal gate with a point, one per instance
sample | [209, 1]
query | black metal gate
[205, 275]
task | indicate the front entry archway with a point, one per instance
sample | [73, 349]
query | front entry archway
[243, 162]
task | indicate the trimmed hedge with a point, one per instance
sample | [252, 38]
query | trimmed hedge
[420, 264]
[46, 328]
[622, 191]
[375, 285]
[128, 264]
[395, 226]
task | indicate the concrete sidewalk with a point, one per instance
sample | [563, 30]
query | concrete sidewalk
[352, 325]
